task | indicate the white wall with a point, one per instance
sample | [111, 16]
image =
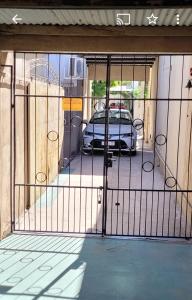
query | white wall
[46, 152]
[5, 149]
[174, 116]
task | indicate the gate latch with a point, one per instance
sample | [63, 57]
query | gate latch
[109, 159]
[100, 195]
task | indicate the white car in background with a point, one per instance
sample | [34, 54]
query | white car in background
[122, 135]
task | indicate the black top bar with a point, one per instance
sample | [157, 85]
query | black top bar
[94, 4]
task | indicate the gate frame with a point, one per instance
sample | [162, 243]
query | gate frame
[105, 173]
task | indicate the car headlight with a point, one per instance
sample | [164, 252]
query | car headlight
[88, 133]
[127, 134]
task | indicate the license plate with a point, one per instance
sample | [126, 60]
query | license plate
[110, 143]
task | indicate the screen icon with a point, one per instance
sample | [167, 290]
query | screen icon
[15, 19]
[178, 19]
[123, 19]
[152, 19]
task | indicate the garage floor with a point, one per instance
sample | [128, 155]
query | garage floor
[56, 267]
[128, 213]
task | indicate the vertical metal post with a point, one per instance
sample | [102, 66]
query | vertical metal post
[13, 146]
[105, 169]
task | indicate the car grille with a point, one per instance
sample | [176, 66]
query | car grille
[118, 144]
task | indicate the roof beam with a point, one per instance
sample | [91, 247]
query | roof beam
[79, 44]
[96, 39]
[95, 31]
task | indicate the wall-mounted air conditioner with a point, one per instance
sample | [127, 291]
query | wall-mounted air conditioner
[75, 68]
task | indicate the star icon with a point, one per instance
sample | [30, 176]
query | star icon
[152, 19]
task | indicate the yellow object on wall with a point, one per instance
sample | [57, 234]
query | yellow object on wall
[73, 104]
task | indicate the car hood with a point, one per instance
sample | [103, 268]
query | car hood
[114, 129]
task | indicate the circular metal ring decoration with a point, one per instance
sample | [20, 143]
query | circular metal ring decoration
[76, 121]
[147, 166]
[160, 139]
[170, 182]
[98, 106]
[87, 153]
[41, 177]
[53, 135]
[138, 124]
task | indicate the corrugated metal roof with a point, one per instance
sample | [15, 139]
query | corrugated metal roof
[100, 17]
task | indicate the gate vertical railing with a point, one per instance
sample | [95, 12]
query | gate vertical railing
[14, 140]
[12, 188]
[106, 148]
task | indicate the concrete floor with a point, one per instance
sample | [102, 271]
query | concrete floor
[56, 267]
[128, 213]
[126, 172]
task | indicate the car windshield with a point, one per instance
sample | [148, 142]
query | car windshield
[115, 117]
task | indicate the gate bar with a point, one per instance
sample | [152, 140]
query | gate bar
[105, 169]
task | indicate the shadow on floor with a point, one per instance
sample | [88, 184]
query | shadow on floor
[57, 267]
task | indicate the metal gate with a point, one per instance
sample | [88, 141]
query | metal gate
[102, 144]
